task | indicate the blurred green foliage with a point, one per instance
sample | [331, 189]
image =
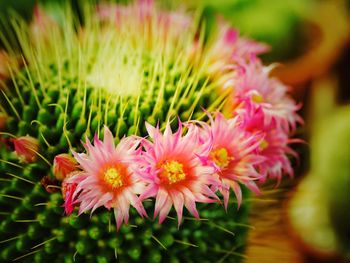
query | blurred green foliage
[277, 23]
[319, 210]
[331, 164]
[23, 7]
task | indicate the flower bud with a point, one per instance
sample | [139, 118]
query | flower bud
[26, 147]
[50, 184]
[63, 165]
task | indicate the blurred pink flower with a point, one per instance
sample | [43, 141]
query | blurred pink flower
[146, 18]
[230, 49]
[174, 173]
[275, 144]
[253, 82]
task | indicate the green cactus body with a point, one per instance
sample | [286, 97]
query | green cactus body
[72, 83]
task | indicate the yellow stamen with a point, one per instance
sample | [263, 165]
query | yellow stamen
[257, 98]
[263, 145]
[221, 157]
[173, 171]
[113, 178]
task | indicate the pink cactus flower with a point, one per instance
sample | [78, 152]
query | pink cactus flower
[238, 47]
[108, 177]
[63, 164]
[174, 172]
[253, 81]
[230, 49]
[275, 144]
[26, 148]
[144, 12]
[233, 155]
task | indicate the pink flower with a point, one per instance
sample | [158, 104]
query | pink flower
[108, 177]
[144, 17]
[275, 144]
[230, 49]
[173, 171]
[237, 47]
[26, 147]
[233, 155]
[63, 164]
[41, 25]
[253, 82]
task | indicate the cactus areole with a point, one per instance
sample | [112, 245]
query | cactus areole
[135, 135]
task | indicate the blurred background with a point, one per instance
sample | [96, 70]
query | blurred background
[308, 218]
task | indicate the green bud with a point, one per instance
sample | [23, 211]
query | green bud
[155, 256]
[28, 114]
[23, 243]
[80, 127]
[132, 130]
[95, 233]
[47, 219]
[167, 240]
[121, 127]
[8, 253]
[114, 242]
[83, 246]
[77, 110]
[52, 247]
[134, 252]
[44, 116]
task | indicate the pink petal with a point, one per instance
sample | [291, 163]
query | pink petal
[178, 201]
[161, 198]
[118, 217]
[238, 192]
[164, 211]
[104, 199]
[190, 203]
[108, 140]
[150, 191]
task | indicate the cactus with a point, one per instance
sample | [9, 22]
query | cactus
[120, 69]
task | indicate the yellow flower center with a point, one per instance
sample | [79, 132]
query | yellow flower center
[173, 171]
[113, 178]
[257, 98]
[263, 145]
[221, 157]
